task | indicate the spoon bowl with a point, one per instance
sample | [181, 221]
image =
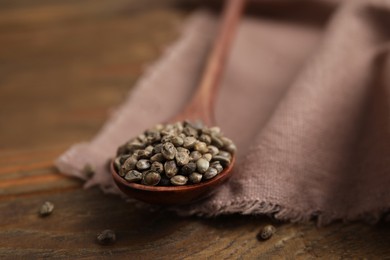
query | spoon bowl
[172, 195]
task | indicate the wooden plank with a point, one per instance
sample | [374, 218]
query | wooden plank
[71, 230]
[64, 64]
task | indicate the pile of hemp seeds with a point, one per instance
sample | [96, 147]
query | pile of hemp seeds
[176, 154]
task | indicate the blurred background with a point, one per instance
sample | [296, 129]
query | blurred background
[64, 63]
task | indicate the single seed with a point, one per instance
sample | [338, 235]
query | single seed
[207, 156]
[228, 145]
[143, 154]
[195, 177]
[225, 140]
[222, 159]
[225, 154]
[210, 173]
[201, 147]
[215, 130]
[166, 138]
[206, 131]
[135, 154]
[177, 141]
[189, 142]
[213, 150]
[179, 180]
[128, 165]
[133, 176]
[134, 145]
[157, 167]
[195, 155]
[168, 151]
[266, 232]
[166, 131]
[205, 138]
[170, 169]
[181, 149]
[165, 181]
[216, 141]
[231, 148]
[151, 178]
[159, 127]
[149, 148]
[106, 237]
[124, 157]
[182, 158]
[188, 169]
[190, 131]
[143, 164]
[158, 157]
[46, 209]
[217, 165]
[157, 148]
[202, 165]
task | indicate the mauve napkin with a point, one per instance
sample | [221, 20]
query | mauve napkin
[306, 97]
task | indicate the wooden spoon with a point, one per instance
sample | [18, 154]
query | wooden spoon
[200, 108]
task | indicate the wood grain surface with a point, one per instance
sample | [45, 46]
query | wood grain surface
[63, 65]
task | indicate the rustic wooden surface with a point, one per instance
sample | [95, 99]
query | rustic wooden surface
[63, 65]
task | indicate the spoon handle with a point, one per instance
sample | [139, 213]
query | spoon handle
[201, 107]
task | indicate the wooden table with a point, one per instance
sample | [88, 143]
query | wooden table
[63, 65]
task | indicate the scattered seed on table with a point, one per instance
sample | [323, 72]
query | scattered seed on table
[106, 237]
[46, 209]
[266, 232]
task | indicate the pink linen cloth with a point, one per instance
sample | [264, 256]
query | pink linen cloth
[305, 96]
